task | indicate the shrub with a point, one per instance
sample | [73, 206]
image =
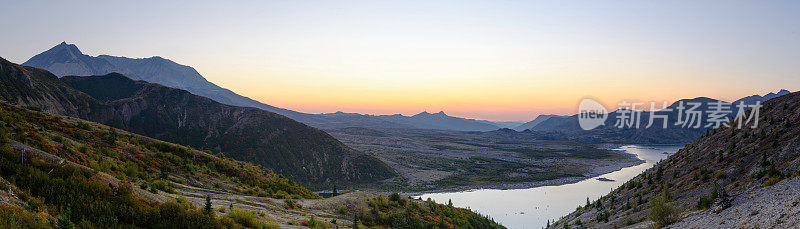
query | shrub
[661, 212]
[246, 218]
[772, 181]
[57, 138]
[84, 126]
[315, 224]
[703, 203]
[290, 204]
[163, 186]
[603, 217]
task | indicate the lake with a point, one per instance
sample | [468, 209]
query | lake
[532, 207]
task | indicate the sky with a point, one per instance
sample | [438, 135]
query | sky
[494, 60]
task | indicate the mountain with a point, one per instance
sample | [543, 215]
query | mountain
[569, 128]
[301, 152]
[757, 98]
[66, 59]
[729, 177]
[440, 121]
[534, 122]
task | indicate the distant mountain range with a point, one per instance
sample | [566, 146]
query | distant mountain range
[305, 154]
[506, 124]
[66, 59]
[440, 121]
[534, 122]
[568, 127]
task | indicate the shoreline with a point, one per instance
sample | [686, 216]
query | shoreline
[630, 160]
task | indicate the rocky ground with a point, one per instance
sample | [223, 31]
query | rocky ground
[766, 207]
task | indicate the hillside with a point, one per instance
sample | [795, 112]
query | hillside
[743, 163]
[249, 134]
[567, 127]
[104, 169]
[303, 153]
[58, 171]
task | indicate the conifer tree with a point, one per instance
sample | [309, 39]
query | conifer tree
[208, 209]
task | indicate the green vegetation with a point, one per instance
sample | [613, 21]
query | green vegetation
[81, 196]
[398, 212]
[15, 217]
[662, 212]
[135, 158]
[315, 224]
[246, 218]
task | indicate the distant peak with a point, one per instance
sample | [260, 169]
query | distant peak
[72, 48]
[441, 113]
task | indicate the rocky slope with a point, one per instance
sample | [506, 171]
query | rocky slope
[726, 166]
[303, 153]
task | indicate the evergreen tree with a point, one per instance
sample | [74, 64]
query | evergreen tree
[208, 209]
[334, 191]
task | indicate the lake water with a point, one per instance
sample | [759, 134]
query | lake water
[531, 208]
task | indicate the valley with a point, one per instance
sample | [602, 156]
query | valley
[435, 160]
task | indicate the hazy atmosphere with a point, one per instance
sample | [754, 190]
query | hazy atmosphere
[508, 60]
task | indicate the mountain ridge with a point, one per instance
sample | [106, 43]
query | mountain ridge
[176, 115]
